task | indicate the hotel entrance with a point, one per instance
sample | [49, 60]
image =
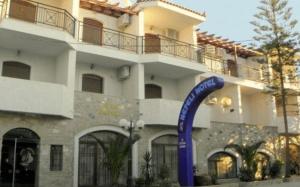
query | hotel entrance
[19, 158]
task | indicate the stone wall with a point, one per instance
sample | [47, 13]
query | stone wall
[91, 110]
[94, 111]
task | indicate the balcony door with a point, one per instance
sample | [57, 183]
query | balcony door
[92, 31]
[232, 68]
[23, 10]
[19, 158]
[152, 43]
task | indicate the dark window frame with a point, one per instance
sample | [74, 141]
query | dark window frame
[56, 157]
[156, 92]
[12, 68]
[88, 88]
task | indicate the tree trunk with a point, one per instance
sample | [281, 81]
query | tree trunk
[286, 129]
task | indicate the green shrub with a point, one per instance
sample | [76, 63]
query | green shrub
[203, 180]
[139, 182]
[164, 172]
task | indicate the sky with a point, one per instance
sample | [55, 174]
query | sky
[230, 18]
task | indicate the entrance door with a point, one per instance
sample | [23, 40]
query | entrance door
[232, 68]
[152, 43]
[19, 159]
[23, 10]
[92, 31]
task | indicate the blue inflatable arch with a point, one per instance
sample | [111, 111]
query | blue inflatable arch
[185, 126]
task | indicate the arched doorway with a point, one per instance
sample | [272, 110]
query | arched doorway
[19, 158]
[222, 165]
[165, 154]
[263, 165]
[294, 156]
[92, 163]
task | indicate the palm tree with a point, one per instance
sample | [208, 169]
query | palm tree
[247, 153]
[116, 151]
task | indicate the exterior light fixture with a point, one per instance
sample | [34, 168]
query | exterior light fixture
[131, 126]
[212, 100]
[226, 102]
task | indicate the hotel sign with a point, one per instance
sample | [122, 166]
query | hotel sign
[185, 125]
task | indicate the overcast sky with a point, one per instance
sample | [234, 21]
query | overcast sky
[230, 18]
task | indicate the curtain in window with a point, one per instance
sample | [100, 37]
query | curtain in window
[164, 152]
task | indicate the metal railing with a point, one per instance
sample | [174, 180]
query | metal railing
[34, 12]
[221, 66]
[40, 13]
[169, 46]
[107, 37]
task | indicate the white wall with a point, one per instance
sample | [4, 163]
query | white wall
[166, 112]
[107, 21]
[169, 86]
[221, 114]
[112, 86]
[133, 87]
[18, 95]
[258, 109]
[185, 85]
[43, 68]
[187, 35]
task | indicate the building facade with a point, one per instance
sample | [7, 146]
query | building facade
[71, 70]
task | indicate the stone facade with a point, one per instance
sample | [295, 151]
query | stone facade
[94, 110]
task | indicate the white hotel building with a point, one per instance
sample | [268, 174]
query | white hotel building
[71, 68]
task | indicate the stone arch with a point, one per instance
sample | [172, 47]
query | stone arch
[223, 164]
[233, 153]
[172, 132]
[20, 152]
[115, 129]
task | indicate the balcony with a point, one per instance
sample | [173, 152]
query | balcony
[38, 13]
[219, 65]
[154, 113]
[95, 34]
[25, 96]
[171, 47]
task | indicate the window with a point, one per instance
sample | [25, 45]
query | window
[56, 157]
[16, 70]
[164, 153]
[92, 83]
[152, 91]
[222, 165]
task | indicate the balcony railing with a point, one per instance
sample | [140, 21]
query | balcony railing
[97, 35]
[164, 45]
[221, 66]
[94, 33]
[39, 13]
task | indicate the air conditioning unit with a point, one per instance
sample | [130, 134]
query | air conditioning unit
[123, 72]
[172, 33]
[123, 21]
